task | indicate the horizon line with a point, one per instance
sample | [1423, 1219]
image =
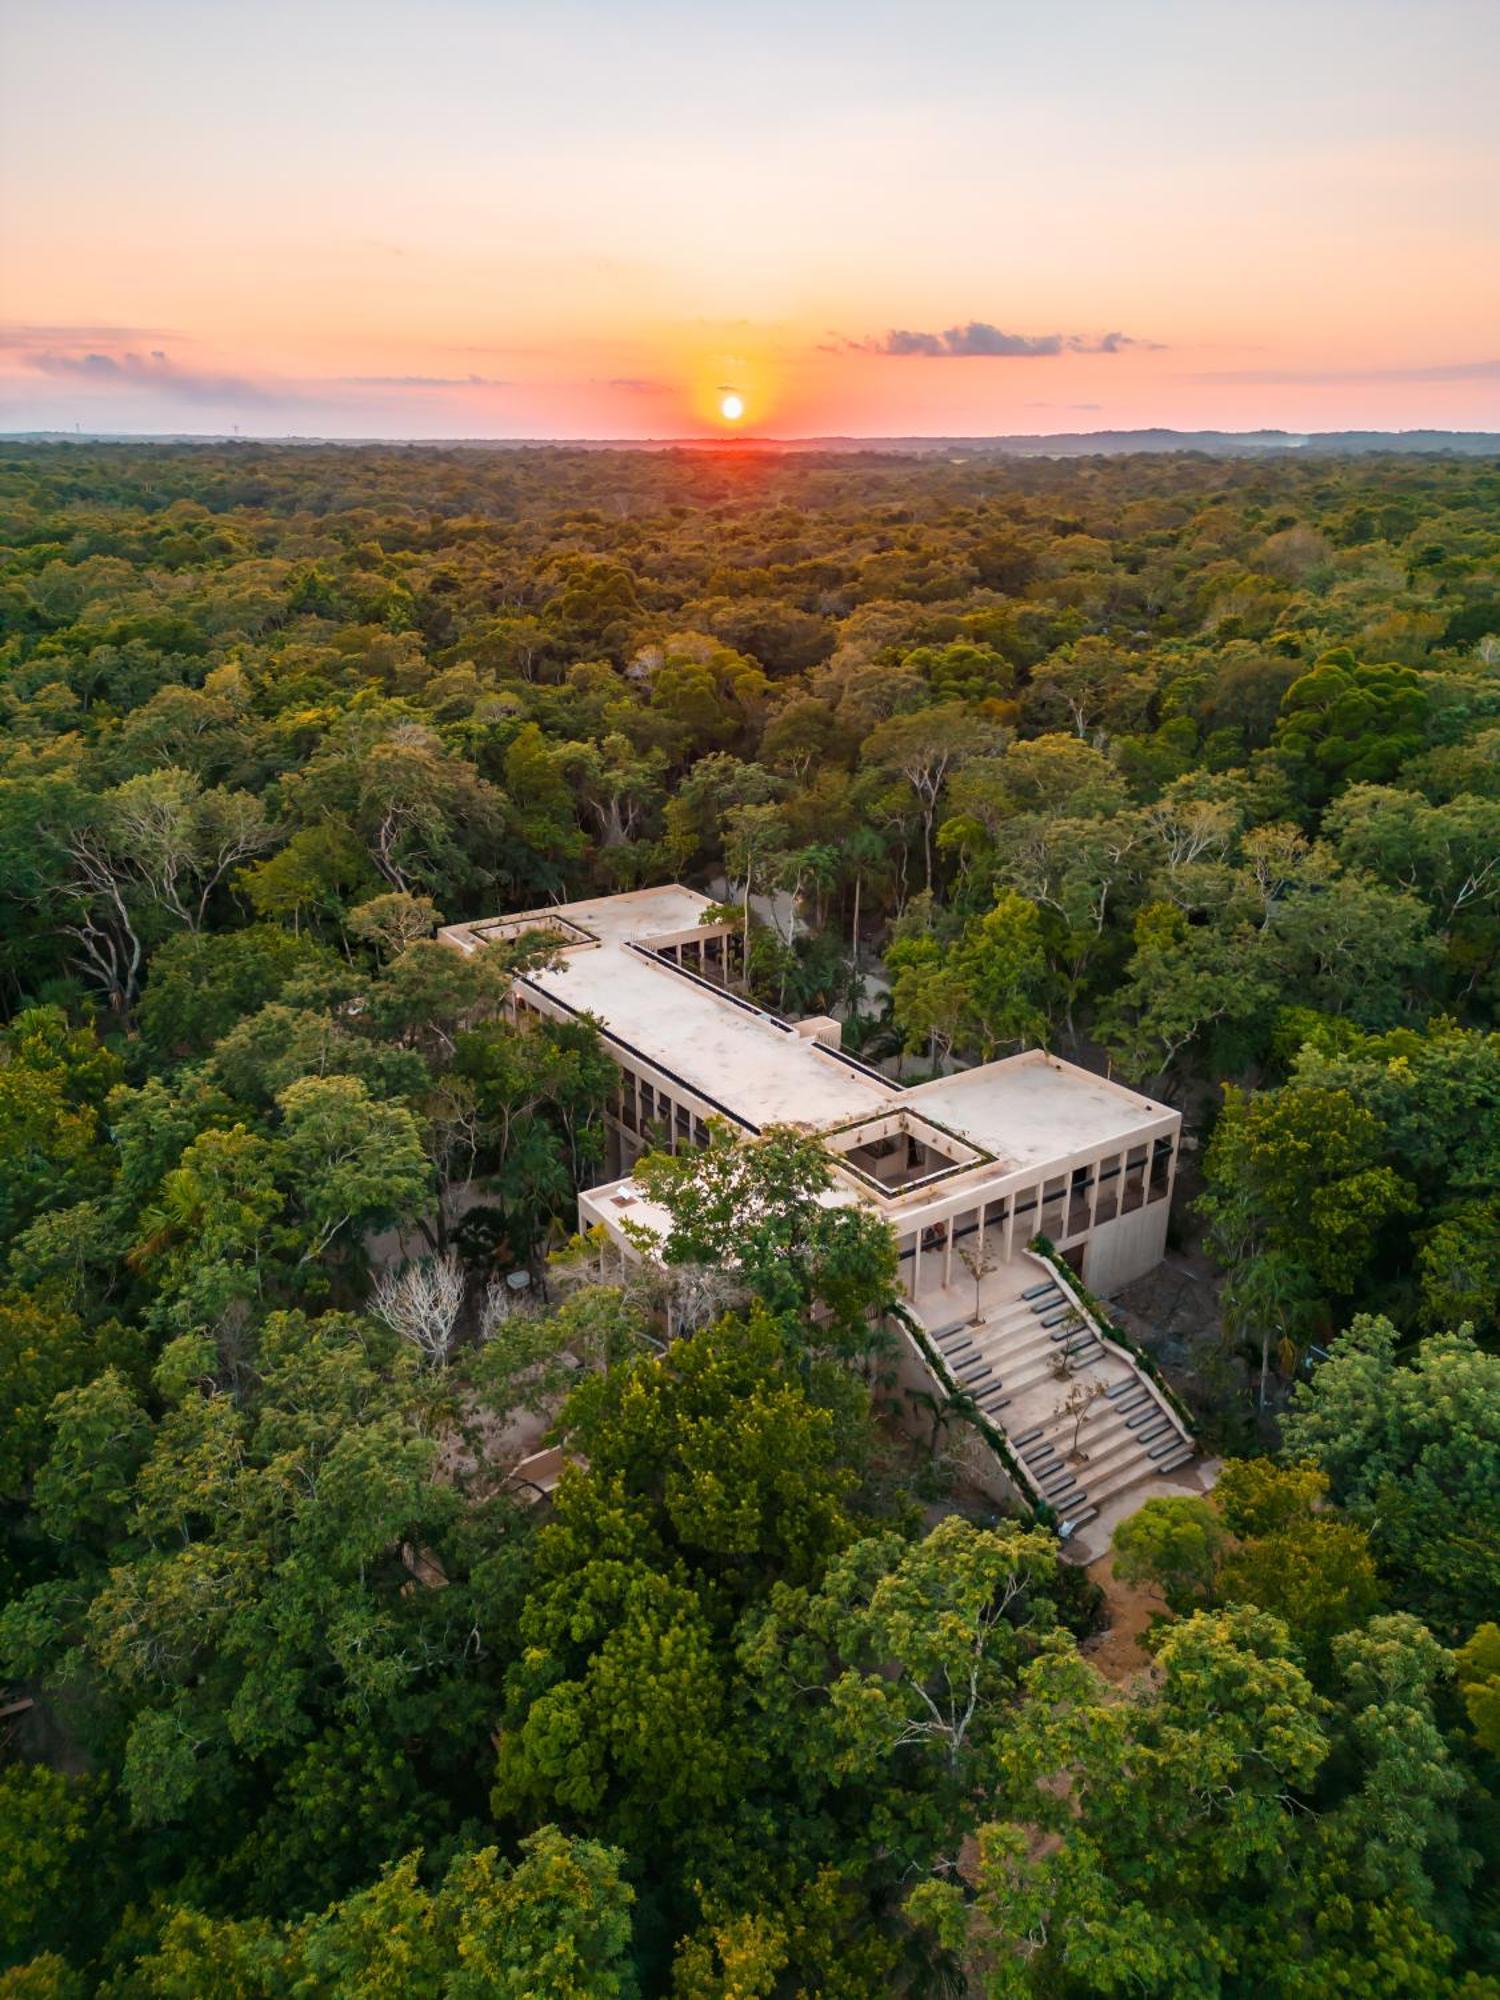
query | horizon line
[718, 441]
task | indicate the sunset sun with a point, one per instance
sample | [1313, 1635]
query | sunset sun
[731, 406]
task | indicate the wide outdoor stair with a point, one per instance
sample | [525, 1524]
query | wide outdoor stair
[1039, 1338]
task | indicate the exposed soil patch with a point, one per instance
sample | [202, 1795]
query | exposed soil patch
[1117, 1652]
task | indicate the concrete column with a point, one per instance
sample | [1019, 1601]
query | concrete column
[916, 1262]
[948, 1257]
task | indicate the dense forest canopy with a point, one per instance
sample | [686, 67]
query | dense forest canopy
[1187, 767]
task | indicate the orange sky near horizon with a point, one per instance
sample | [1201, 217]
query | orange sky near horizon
[472, 218]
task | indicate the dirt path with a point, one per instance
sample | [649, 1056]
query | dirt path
[1118, 1653]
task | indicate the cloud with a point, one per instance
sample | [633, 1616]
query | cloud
[1116, 343]
[978, 339]
[20, 338]
[635, 385]
[155, 370]
[419, 382]
[1443, 371]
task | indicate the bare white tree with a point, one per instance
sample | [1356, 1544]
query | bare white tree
[422, 1302]
[978, 1260]
[698, 1293]
[1076, 1405]
[502, 1304]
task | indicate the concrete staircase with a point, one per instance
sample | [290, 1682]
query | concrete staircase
[1035, 1346]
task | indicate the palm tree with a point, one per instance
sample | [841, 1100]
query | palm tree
[1271, 1293]
[949, 1407]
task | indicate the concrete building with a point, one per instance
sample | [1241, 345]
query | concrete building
[966, 1169]
[1030, 1145]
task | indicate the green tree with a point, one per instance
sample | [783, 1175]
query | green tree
[556, 1922]
[53, 1083]
[392, 922]
[756, 1207]
[1175, 1543]
[1181, 980]
[1005, 964]
[931, 995]
[1479, 1683]
[1347, 723]
[44, 1825]
[200, 984]
[704, 1476]
[311, 880]
[1302, 1173]
[1411, 1448]
[356, 1163]
[1313, 1570]
[1146, 1834]
[924, 749]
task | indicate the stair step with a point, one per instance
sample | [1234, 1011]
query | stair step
[1027, 1437]
[1149, 1409]
[1118, 1388]
[1075, 1521]
[977, 1364]
[1109, 1458]
[1062, 1501]
[1172, 1443]
[1180, 1457]
[1120, 1480]
[1055, 1314]
[1036, 1291]
[1156, 1430]
[1134, 1400]
[1038, 1451]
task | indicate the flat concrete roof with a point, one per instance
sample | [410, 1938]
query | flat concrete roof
[1027, 1111]
[1033, 1108]
[758, 1071]
[733, 1055]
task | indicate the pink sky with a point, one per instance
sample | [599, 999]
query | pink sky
[591, 217]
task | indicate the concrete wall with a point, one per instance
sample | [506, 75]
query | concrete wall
[980, 1466]
[1118, 1252]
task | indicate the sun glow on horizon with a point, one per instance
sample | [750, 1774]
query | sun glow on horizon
[731, 406]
